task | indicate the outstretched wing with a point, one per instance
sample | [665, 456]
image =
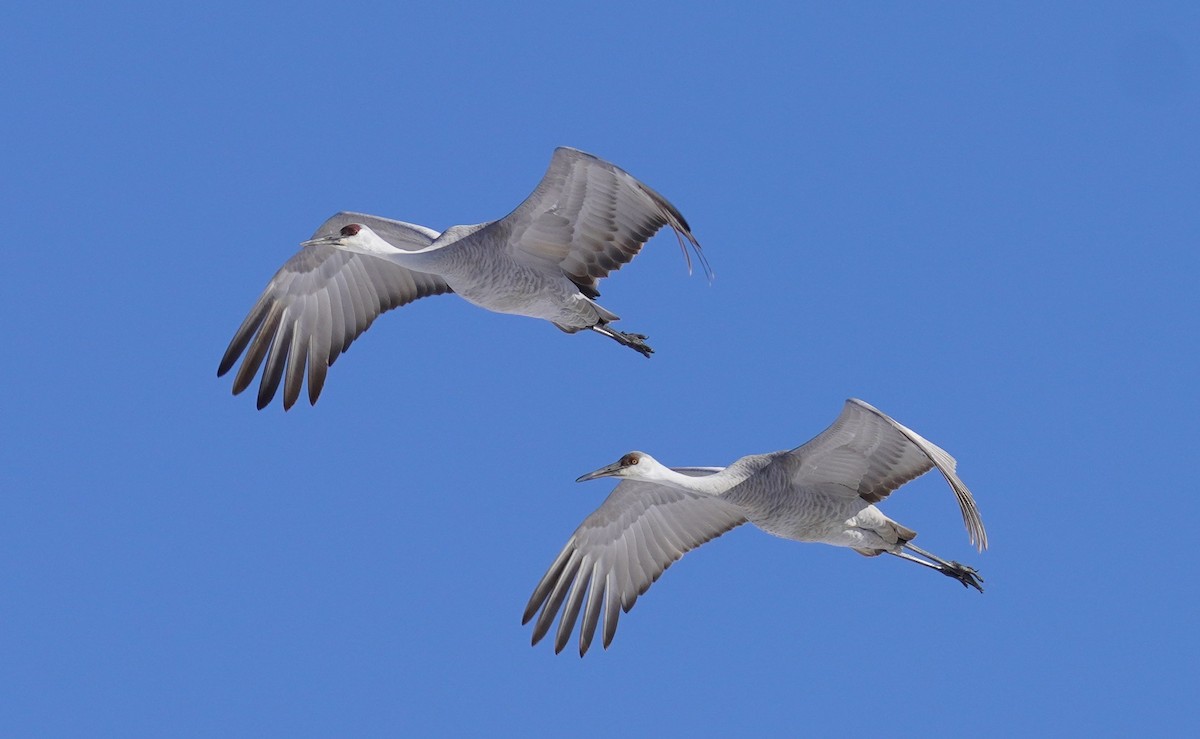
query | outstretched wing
[619, 550]
[869, 453]
[319, 302]
[590, 217]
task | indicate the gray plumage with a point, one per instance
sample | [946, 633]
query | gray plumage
[585, 219]
[823, 491]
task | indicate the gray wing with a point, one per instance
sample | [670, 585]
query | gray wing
[319, 302]
[872, 455]
[590, 217]
[619, 550]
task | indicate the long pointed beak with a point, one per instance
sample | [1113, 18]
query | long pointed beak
[330, 240]
[606, 471]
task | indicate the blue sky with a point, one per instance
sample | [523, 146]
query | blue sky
[979, 217]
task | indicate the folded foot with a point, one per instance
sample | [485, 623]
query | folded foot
[637, 342]
[964, 574]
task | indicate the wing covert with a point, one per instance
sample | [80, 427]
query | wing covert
[871, 454]
[590, 217]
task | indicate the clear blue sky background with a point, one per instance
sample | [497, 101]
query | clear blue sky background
[980, 217]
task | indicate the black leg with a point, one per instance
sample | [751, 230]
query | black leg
[637, 342]
[961, 572]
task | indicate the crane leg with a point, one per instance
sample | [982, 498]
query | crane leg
[961, 572]
[637, 342]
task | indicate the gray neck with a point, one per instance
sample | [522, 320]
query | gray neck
[715, 484]
[421, 260]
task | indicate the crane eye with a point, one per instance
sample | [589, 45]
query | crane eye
[629, 460]
[351, 229]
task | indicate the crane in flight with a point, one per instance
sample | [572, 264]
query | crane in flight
[585, 219]
[824, 491]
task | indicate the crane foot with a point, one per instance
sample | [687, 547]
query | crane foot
[964, 574]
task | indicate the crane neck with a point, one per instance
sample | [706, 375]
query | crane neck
[421, 260]
[715, 484]
[444, 256]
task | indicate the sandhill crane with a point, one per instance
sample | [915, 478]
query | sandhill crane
[585, 219]
[823, 491]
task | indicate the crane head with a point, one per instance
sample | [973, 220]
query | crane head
[357, 238]
[634, 465]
